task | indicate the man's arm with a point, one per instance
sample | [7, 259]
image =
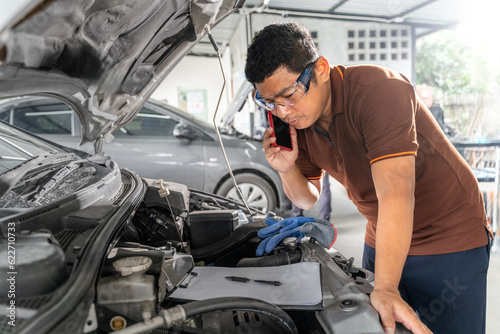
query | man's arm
[302, 192]
[394, 181]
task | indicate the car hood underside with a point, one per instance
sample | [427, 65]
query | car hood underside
[105, 57]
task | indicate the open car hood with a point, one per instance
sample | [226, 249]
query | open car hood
[105, 58]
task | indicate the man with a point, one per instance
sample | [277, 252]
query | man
[365, 126]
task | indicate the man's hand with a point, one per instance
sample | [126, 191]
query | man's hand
[392, 308]
[281, 160]
[301, 191]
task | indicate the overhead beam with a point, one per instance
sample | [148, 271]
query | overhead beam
[334, 8]
[414, 8]
[430, 28]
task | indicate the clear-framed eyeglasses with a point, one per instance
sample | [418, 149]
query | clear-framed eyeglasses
[290, 95]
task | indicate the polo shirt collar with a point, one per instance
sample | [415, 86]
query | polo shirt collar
[337, 86]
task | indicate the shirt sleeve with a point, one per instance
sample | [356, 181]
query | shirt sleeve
[386, 115]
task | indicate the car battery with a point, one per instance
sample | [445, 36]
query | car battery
[209, 227]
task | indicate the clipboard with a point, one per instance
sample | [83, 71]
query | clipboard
[300, 285]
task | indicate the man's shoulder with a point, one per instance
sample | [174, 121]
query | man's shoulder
[371, 74]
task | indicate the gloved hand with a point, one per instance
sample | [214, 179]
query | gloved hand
[279, 226]
[299, 227]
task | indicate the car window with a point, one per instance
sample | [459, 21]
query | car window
[149, 123]
[45, 119]
[5, 115]
[16, 148]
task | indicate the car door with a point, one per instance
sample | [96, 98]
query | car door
[148, 146]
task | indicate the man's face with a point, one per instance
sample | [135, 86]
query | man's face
[282, 88]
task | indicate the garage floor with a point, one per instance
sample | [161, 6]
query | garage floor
[350, 227]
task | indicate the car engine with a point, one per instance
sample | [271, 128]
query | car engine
[169, 237]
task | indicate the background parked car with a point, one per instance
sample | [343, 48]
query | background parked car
[164, 142]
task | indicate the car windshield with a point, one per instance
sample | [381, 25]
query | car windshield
[17, 147]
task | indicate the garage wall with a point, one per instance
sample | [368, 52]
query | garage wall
[198, 74]
[238, 55]
[341, 42]
[352, 43]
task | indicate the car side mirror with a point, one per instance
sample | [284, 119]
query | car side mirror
[184, 131]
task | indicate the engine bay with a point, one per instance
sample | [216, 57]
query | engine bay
[115, 258]
[169, 237]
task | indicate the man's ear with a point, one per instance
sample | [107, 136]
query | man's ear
[322, 68]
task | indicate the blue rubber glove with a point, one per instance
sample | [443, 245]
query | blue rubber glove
[321, 230]
[279, 226]
[268, 244]
[299, 227]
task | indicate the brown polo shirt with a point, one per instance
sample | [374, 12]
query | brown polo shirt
[376, 115]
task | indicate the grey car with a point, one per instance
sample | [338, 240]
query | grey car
[164, 142]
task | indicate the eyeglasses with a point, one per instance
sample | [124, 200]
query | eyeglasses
[290, 95]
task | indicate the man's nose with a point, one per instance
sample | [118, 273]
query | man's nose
[283, 110]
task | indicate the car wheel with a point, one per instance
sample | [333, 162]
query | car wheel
[256, 191]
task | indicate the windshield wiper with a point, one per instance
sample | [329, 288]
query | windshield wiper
[10, 178]
[57, 178]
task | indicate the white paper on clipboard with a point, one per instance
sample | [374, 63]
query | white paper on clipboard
[300, 285]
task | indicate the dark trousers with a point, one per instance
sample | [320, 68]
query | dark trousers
[448, 291]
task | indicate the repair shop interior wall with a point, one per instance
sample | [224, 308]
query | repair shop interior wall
[355, 42]
[200, 80]
[239, 43]
[341, 42]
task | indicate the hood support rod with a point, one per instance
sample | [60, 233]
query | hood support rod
[238, 190]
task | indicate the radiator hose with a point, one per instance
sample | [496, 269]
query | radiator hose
[178, 314]
[279, 259]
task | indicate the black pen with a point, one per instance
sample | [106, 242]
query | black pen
[244, 280]
[237, 279]
[267, 282]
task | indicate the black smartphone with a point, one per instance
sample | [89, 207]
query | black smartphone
[281, 132]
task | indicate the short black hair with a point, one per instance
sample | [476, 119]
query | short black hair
[279, 44]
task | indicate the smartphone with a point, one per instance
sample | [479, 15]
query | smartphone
[281, 132]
